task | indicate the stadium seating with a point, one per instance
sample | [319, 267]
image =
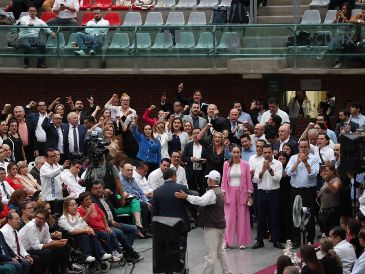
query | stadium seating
[124, 6]
[330, 17]
[52, 42]
[185, 40]
[229, 40]
[163, 40]
[120, 41]
[45, 16]
[311, 17]
[154, 18]
[143, 40]
[113, 18]
[205, 41]
[102, 4]
[186, 4]
[132, 19]
[355, 12]
[197, 18]
[175, 18]
[86, 18]
[165, 4]
[85, 4]
[208, 4]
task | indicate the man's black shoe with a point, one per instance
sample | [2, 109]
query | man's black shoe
[258, 244]
[147, 235]
[278, 245]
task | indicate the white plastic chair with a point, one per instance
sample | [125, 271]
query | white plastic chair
[197, 18]
[355, 12]
[208, 3]
[175, 18]
[330, 17]
[165, 4]
[154, 18]
[311, 17]
[186, 4]
[132, 19]
[225, 3]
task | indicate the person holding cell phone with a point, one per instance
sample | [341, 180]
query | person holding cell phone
[66, 11]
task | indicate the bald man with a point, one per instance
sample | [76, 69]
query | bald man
[285, 138]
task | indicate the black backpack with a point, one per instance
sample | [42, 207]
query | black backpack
[238, 13]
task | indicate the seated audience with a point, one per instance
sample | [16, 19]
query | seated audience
[331, 262]
[282, 262]
[312, 264]
[26, 213]
[359, 265]
[66, 13]
[18, 196]
[30, 185]
[71, 179]
[5, 189]
[38, 163]
[12, 177]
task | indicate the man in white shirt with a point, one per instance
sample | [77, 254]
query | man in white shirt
[325, 153]
[9, 230]
[180, 171]
[5, 189]
[343, 248]
[155, 179]
[359, 266]
[66, 13]
[36, 240]
[70, 178]
[274, 109]
[29, 37]
[139, 174]
[51, 189]
[267, 175]
[3, 163]
[92, 36]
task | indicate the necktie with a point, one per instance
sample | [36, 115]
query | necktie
[76, 146]
[196, 122]
[17, 243]
[5, 191]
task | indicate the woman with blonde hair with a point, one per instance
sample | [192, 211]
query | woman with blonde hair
[83, 235]
[30, 185]
[237, 188]
[124, 110]
[163, 134]
[331, 262]
[188, 128]
[217, 151]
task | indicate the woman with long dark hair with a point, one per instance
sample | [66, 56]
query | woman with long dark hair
[285, 188]
[149, 147]
[282, 262]
[179, 137]
[14, 141]
[237, 188]
[312, 264]
[12, 177]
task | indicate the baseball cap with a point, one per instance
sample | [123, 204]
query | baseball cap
[214, 175]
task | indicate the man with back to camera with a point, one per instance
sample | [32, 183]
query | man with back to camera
[211, 218]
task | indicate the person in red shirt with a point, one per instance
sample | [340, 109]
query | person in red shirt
[12, 178]
[95, 217]
[4, 210]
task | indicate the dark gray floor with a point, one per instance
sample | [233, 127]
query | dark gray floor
[245, 261]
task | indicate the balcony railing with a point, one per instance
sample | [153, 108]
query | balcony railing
[206, 46]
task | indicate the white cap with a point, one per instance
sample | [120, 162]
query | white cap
[214, 175]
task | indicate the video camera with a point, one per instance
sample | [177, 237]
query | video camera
[96, 148]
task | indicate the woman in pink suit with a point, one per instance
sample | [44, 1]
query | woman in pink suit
[237, 189]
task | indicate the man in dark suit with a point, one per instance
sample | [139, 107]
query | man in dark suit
[54, 132]
[194, 157]
[345, 125]
[38, 163]
[74, 135]
[218, 123]
[285, 138]
[194, 118]
[165, 204]
[79, 109]
[8, 256]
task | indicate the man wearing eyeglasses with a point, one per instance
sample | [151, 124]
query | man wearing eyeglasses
[29, 37]
[94, 37]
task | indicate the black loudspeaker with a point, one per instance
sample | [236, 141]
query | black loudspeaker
[353, 152]
[166, 244]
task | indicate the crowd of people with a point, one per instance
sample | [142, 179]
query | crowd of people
[69, 171]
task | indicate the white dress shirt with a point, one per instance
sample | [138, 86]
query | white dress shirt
[197, 154]
[359, 266]
[5, 166]
[209, 198]
[32, 237]
[51, 187]
[327, 154]
[359, 119]
[31, 32]
[119, 111]
[60, 139]
[97, 31]
[282, 143]
[155, 179]
[66, 14]
[72, 222]
[9, 190]
[346, 252]
[269, 182]
[253, 162]
[254, 139]
[9, 235]
[40, 134]
[267, 114]
[72, 183]
[142, 182]
[164, 139]
[71, 138]
[180, 175]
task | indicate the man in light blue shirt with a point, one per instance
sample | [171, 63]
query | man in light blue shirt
[359, 265]
[303, 169]
[92, 36]
[356, 116]
[247, 148]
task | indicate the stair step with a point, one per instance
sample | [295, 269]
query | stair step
[281, 10]
[288, 19]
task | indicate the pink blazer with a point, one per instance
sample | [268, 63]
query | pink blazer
[245, 186]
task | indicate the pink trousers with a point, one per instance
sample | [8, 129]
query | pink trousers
[237, 220]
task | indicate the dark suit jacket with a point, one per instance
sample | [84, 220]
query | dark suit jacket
[292, 141]
[96, 200]
[353, 127]
[51, 133]
[82, 131]
[9, 253]
[165, 204]
[35, 173]
[219, 123]
[188, 153]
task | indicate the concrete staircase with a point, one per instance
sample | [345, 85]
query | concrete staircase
[280, 11]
